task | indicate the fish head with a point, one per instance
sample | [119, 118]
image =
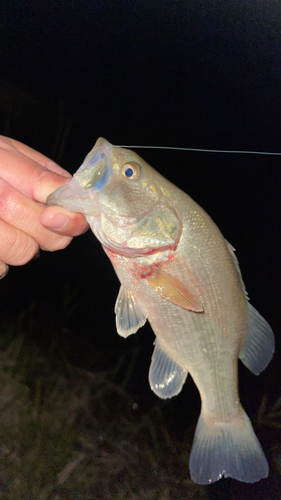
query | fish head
[123, 200]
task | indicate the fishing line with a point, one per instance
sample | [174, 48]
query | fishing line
[204, 150]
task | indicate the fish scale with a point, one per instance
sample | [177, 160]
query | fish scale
[177, 271]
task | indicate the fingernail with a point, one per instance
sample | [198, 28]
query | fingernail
[58, 222]
[36, 255]
[3, 273]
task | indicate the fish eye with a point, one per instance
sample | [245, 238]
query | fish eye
[131, 170]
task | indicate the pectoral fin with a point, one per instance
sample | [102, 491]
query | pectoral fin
[175, 291]
[129, 317]
[166, 377]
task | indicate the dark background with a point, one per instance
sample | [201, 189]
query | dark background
[199, 74]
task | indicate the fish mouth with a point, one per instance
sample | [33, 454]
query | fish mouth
[71, 197]
[79, 194]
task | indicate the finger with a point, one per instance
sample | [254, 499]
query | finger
[23, 214]
[3, 270]
[34, 155]
[16, 247]
[29, 177]
[64, 222]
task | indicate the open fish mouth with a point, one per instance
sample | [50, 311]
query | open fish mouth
[78, 195]
[70, 196]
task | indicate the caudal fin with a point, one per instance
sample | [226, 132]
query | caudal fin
[227, 450]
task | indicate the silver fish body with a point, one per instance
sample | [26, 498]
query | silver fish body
[177, 271]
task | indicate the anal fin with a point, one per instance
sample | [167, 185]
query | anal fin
[129, 317]
[166, 377]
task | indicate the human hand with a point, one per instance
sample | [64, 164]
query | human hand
[26, 179]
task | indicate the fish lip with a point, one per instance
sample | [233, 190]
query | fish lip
[71, 197]
[52, 199]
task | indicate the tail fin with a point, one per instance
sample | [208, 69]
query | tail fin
[227, 450]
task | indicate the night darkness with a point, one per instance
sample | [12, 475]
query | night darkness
[196, 74]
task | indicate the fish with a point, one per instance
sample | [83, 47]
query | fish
[178, 272]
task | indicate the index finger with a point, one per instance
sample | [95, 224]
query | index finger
[28, 176]
[35, 156]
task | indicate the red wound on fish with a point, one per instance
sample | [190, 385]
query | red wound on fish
[176, 292]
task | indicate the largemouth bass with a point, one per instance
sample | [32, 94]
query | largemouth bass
[178, 272]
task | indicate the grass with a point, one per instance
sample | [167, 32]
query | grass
[67, 433]
[73, 433]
